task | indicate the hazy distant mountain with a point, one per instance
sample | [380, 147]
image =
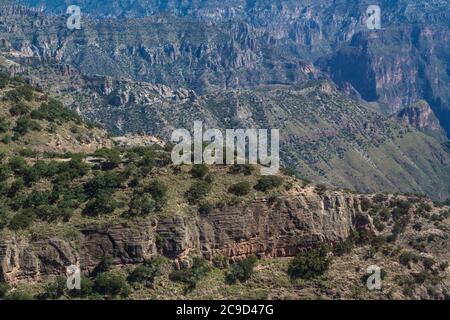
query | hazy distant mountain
[246, 43]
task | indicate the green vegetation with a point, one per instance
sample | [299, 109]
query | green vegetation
[25, 124]
[54, 110]
[4, 288]
[19, 109]
[246, 169]
[146, 273]
[199, 171]
[158, 191]
[241, 270]
[111, 284]
[266, 183]
[240, 188]
[141, 205]
[22, 92]
[310, 264]
[46, 194]
[198, 191]
[190, 277]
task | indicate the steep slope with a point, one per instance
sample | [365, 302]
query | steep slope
[129, 209]
[229, 44]
[324, 135]
[420, 116]
[30, 120]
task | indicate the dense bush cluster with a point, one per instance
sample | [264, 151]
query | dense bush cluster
[266, 183]
[310, 264]
[22, 92]
[21, 207]
[241, 270]
[53, 111]
[199, 171]
[158, 191]
[200, 268]
[146, 273]
[198, 191]
[240, 188]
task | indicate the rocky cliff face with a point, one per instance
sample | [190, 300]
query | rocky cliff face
[295, 222]
[420, 116]
[230, 44]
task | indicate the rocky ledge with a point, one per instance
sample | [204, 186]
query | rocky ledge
[265, 227]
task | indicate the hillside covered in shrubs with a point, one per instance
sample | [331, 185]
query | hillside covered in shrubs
[51, 191]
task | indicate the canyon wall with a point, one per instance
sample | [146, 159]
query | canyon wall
[279, 228]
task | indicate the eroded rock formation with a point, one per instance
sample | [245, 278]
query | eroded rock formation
[265, 228]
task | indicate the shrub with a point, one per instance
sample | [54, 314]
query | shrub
[141, 205]
[241, 270]
[19, 295]
[406, 257]
[111, 284]
[6, 139]
[53, 291]
[104, 265]
[200, 268]
[25, 124]
[102, 183]
[35, 173]
[4, 125]
[220, 261]
[49, 213]
[73, 169]
[15, 187]
[18, 165]
[310, 264]
[3, 82]
[246, 169]
[289, 171]
[378, 224]
[147, 272]
[4, 216]
[55, 110]
[19, 109]
[199, 171]
[384, 214]
[205, 208]
[4, 288]
[5, 172]
[112, 158]
[240, 188]
[103, 203]
[23, 92]
[366, 204]
[36, 199]
[21, 220]
[209, 178]
[158, 190]
[268, 182]
[197, 191]
[343, 247]
[400, 225]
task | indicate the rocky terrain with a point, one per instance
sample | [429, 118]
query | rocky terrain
[131, 211]
[233, 44]
[325, 136]
[364, 121]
